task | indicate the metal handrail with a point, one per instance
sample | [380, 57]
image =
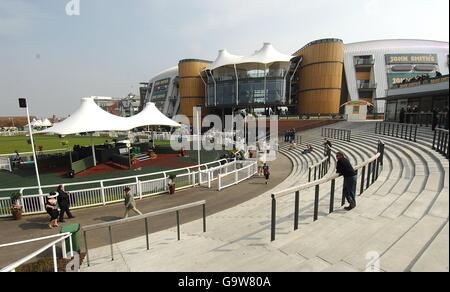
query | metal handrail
[321, 181]
[144, 217]
[13, 266]
[373, 166]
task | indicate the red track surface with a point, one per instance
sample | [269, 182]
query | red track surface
[166, 161]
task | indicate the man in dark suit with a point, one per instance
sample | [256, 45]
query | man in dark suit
[64, 204]
[345, 169]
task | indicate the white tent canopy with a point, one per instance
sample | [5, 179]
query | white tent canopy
[91, 118]
[151, 116]
[266, 55]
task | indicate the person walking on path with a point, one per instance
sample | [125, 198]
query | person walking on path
[327, 146]
[51, 206]
[64, 204]
[130, 203]
[345, 169]
[266, 171]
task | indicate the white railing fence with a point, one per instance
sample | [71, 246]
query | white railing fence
[102, 193]
[243, 170]
[61, 239]
[5, 163]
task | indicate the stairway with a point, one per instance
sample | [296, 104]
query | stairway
[403, 218]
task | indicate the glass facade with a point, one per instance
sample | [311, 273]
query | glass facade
[247, 84]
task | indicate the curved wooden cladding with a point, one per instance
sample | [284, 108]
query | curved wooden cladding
[322, 52]
[320, 78]
[187, 105]
[324, 75]
[192, 87]
[322, 101]
[191, 69]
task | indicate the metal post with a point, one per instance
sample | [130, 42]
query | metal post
[362, 180]
[146, 234]
[398, 129]
[87, 249]
[434, 140]
[55, 263]
[410, 133]
[384, 129]
[178, 226]
[369, 168]
[309, 175]
[297, 207]
[204, 218]
[333, 188]
[415, 135]
[34, 150]
[316, 204]
[111, 243]
[374, 168]
[274, 219]
[315, 173]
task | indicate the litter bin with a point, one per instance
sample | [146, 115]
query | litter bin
[74, 229]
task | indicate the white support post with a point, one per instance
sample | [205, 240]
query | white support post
[63, 249]
[219, 184]
[166, 187]
[102, 189]
[209, 179]
[55, 262]
[34, 151]
[138, 187]
[71, 247]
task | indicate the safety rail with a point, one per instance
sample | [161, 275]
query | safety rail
[102, 193]
[403, 131]
[373, 167]
[320, 169]
[441, 141]
[240, 173]
[144, 217]
[61, 239]
[5, 163]
[337, 134]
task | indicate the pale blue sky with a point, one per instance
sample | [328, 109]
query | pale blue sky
[55, 59]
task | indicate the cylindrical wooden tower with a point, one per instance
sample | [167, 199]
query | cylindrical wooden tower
[320, 77]
[192, 88]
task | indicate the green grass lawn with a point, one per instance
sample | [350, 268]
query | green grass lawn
[11, 144]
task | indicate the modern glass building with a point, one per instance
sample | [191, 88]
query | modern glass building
[317, 79]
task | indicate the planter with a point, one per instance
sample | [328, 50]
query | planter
[17, 214]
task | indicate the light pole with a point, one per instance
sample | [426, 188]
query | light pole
[24, 104]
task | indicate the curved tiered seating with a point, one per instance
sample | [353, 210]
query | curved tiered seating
[403, 217]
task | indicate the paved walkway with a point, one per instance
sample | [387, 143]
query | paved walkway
[36, 226]
[401, 220]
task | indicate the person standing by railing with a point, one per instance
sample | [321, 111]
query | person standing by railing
[64, 204]
[266, 171]
[130, 203]
[345, 168]
[51, 206]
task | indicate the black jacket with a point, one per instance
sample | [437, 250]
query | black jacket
[63, 200]
[345, 168]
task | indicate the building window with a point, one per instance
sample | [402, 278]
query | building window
[356, 110]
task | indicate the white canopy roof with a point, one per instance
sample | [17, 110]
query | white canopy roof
[151, 116]
[91, 118]
[46, 123]
[267, 55]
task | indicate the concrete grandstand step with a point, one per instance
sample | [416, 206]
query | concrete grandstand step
[400, 205]
[436, 257]
[440, 207]
[421, 204]
[316, 242]
[380, 242]
[400, 256]
[352, 241]
[311, 266]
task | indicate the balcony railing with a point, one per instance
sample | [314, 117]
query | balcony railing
[366, 85]
[364, 62]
